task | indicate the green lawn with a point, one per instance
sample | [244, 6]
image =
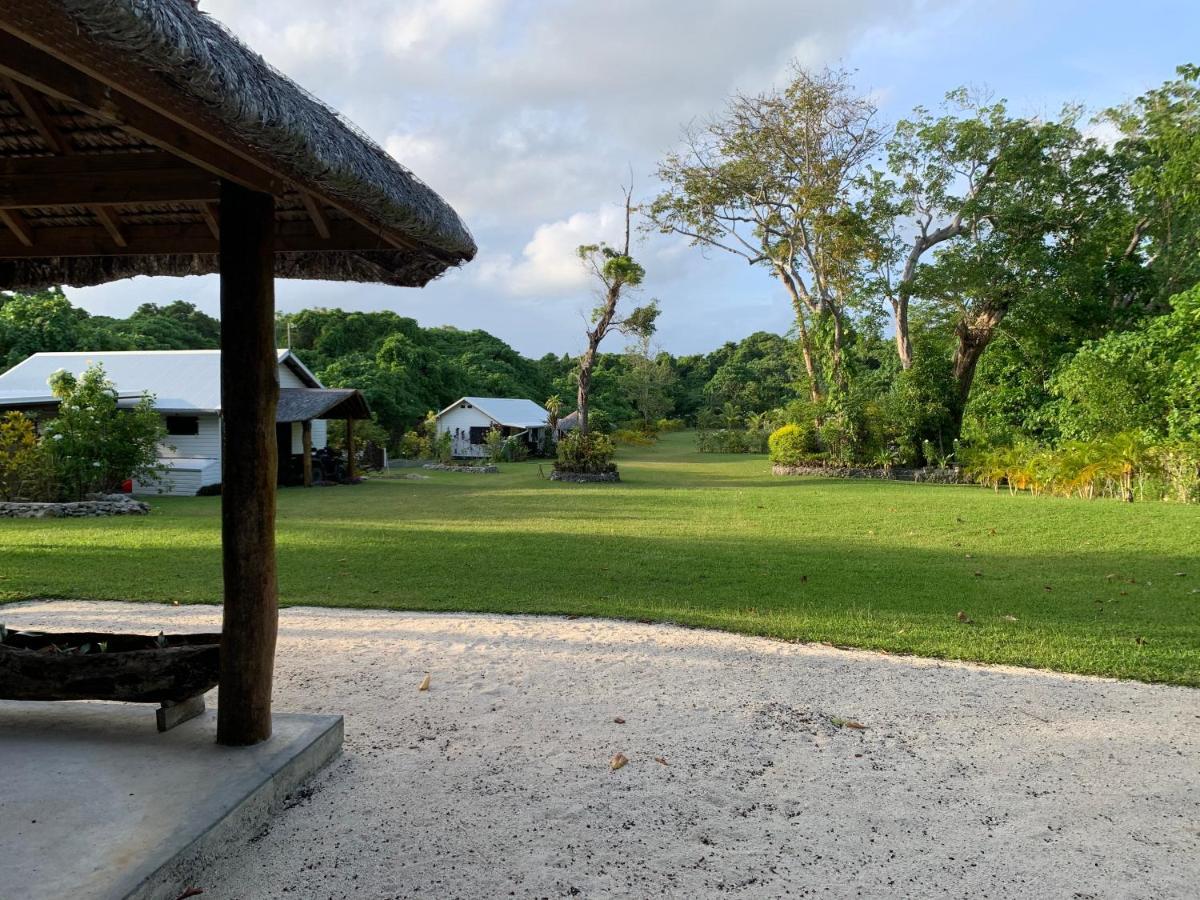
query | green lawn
[716, 541]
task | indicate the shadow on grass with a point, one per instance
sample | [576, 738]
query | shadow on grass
[1042, 609]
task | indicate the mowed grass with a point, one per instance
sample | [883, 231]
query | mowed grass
[1092, 587]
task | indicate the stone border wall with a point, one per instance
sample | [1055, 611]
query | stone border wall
[927, 475]
[94, 507]
[474, 470]
[584, 477]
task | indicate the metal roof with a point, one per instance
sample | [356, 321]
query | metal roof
[510, 411]
[181, 380]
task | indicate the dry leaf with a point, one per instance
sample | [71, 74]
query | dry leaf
[1010, 618]
[619, 720]
[978, 574]
[964, 618]
[661, 760]
[1046, 587]
[852, 724]
[424, 684]
[618, 761]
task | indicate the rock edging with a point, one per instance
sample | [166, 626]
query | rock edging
[474, 470]
[584, 477]
[926, 475]
[95, 506]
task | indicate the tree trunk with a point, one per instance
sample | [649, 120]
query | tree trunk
[585, 384]
[900, 321]
[974, 333]
[806, 348]
[249, 393]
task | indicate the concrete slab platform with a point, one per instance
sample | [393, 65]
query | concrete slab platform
[97, 804]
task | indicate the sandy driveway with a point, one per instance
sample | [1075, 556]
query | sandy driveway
[966, 782]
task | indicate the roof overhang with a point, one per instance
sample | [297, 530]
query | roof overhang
[304, 404]
[133, 111]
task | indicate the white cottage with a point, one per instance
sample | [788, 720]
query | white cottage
[186, 385]
[469, 419]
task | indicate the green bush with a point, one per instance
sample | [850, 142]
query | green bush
[633, 437]
[795, 445]
[414, 446]
[20, 458]
[92, 445]
[589, 454]
[669, 425]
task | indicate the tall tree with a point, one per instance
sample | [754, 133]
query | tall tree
[1159, 151]
[616, 273]
[772, 180]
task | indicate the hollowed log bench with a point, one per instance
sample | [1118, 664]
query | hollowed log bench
[174, 671]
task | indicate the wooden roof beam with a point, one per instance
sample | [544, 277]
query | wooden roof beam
[315, 213]
[34, 109]
[103, 180]
[172, 239]
[17, 225]
[111, 223]
[211, 213]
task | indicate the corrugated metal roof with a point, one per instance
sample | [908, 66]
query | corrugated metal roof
[181, 380]
[510, 411]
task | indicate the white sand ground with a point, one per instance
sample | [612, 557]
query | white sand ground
[967, 781]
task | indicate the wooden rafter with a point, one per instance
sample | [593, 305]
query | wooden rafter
[34, 109]
[17, 225]
[211, 213]
[112, 224]
[315, 213]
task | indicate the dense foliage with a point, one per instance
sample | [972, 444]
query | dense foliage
[90, 446]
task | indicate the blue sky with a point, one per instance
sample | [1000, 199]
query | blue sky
[528, 115]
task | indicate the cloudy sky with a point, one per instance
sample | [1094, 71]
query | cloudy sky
[528, 115]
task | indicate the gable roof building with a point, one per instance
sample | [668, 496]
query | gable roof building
[469, 419]
[186, 385]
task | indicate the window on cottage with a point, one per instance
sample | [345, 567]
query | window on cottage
[183, 425]
[479, 435]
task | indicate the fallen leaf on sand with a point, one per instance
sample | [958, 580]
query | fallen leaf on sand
[846, 723]
[424, 684]
[618, 761]
[619, 720]
[661, 760]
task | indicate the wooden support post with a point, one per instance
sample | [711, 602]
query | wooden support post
[249, 394]
[306, 442]
[350, 468]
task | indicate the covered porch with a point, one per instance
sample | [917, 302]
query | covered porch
[301, 406]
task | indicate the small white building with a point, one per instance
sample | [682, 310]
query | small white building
[468, 421]
[186, 385]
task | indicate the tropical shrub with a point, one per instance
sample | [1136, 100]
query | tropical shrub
[414, 446]
[92, 445]
[19, 457]
[795, 445]
[633, 437]
[589, 454]
[1125, 466]
[668, 425]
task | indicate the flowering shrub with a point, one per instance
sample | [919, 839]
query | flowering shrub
[91, 445]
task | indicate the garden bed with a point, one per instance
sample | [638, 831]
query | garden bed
[925, 475]
[585, 477]
[95, 506]
[473, 470]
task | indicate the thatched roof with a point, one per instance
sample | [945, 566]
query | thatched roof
[86, 82]
[301, 404]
